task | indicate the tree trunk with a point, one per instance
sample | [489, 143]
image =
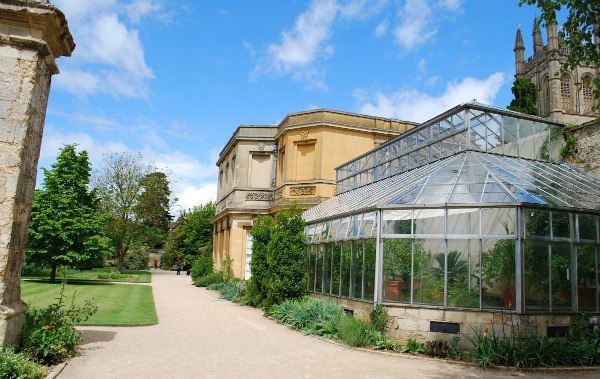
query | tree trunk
[53, 272]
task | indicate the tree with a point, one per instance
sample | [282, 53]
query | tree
[120, 182]
[65, 228]
[153, 207]
[191, 231]
[583, 23]
[262, 230]
[525, 100]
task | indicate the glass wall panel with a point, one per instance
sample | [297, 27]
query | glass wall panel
[312, 267]
[463, 222]
[327, 268]
[561, 276]
[498, 273]
[346, 259]
[357, 269]
[527, 148]
[367, 225]
[561, 225]
[369, 272]
[397, 222]
[587, 228]
[429, 278]
[336, 269]
[536, 259]
[397, 261]
[333, 230]
[498, 222]
[354, 226]
[463, 272]
[429, 222]
[343, 228]
[587, 276]
[537, 223]
[319, 268]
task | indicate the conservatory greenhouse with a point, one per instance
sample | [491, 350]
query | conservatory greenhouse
[468, 216]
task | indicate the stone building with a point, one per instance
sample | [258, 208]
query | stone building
[264, 168]
[563, 97]
[33, 34]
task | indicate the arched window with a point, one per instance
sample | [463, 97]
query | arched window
[545, 100]
[587, 94]
[565, 92]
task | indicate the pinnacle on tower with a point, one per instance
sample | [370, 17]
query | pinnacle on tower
[538, 44]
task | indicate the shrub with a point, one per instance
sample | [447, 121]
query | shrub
[202, 266]
[381, 342]
[229, 291]
[355, 332]
[49, 334]
[19, 365]
[312, 316]
[262, 231]
[438, 348]
[137, 258]
[380, 318]
[212, 278]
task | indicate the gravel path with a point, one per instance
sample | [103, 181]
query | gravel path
[202, 336]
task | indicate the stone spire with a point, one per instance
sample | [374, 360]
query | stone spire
[519, 53]
[538, 44]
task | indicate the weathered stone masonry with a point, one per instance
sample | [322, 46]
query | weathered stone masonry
[33, 33]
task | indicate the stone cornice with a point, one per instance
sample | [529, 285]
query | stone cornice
[33, 23]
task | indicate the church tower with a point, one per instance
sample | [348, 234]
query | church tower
[562, 96]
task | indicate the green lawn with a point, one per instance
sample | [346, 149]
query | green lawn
[118, 304]
[130, 276]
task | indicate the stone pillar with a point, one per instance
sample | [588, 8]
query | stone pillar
[33, 33]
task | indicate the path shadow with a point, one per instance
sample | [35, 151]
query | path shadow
[91, 336]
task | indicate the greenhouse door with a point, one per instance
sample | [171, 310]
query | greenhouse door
[248, 253]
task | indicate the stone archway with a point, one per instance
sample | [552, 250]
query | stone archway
[33, 33]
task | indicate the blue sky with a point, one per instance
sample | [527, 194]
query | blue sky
[172, 79]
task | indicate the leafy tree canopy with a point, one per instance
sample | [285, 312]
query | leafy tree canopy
[525, 100]
[121, 182]
[65, 228]
[580, 28]
[153, 207]
[191, 231]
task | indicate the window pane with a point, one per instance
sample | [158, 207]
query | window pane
[561, 276]
[319, 269]
[335, 269]
[587, 277]
[327, 268]
[429, 222]
[498, 222]
[312, 267]
[462, 267]
[397, 255]
[537, 274]
[463, 221]
[537, 223]
[429, 280]
[587, 227]
[345, 270]
[498, 273]
[397, 222]
[561, 226]
[357, 270]
[369, 273]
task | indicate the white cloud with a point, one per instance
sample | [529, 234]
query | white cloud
[109, 57]
[412, 105]
[382, 28]
[191, 196]
[415, 24]
[421, 65]
[452, 5]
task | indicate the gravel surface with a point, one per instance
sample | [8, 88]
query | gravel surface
[202, 336]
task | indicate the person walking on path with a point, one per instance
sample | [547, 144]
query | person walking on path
[179, 268]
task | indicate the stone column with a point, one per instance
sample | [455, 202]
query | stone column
[33, 33]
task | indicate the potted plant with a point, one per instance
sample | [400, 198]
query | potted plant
[397, 266]
[498, 269]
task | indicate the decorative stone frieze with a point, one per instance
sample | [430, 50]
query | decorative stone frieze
[304, 135]
[279, 194]
[303, 190]
[259, 196]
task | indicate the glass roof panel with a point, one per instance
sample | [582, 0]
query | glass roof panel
[470, 177]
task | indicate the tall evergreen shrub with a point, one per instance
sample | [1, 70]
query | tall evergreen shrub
[286, 255]
[261, 235]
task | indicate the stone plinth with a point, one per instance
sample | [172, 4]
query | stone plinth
[33, 34]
